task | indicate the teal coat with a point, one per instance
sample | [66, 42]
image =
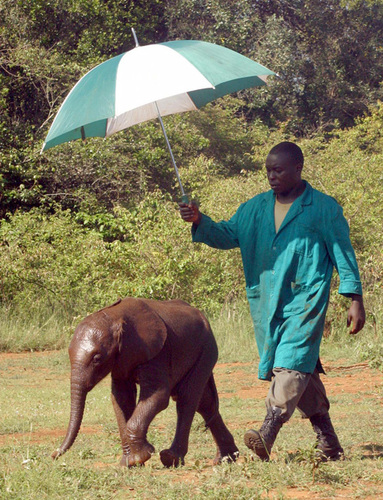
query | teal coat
[288, 273]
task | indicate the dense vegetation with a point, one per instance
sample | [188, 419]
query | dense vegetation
[87, 222]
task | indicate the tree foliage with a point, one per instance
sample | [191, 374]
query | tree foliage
[46, 46]
[328, 56]
[88, 221]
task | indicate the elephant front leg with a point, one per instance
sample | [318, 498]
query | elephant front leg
[154, 397]
[174, 456]
[124, 395]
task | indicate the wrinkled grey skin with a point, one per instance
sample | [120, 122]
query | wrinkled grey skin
[169, 350]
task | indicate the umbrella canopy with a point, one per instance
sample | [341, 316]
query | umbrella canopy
[151, 81]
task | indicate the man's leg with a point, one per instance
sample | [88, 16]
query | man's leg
[285, 391]
[314, 405]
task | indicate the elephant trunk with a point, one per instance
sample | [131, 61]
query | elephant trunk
[78, 397]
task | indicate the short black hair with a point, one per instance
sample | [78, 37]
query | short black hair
[291, 149]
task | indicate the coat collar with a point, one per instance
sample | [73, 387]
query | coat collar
[296, 208]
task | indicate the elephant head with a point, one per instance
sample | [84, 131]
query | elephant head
[116, 339]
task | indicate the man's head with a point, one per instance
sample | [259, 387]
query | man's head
[284, 165]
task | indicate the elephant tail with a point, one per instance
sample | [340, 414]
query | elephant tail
[214, 393]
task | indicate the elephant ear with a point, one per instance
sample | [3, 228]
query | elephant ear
[142, 333]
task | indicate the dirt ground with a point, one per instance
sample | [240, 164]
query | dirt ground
[241, 382]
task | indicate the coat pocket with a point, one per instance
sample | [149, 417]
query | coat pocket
[299, 298]
[254, 298]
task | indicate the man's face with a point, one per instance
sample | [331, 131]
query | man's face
[282, 173]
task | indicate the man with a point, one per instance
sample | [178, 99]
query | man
[290, 239]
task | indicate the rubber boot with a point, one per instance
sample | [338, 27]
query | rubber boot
[328, 445]
[261, 442]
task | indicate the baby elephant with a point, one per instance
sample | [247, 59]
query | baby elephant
[168, 349]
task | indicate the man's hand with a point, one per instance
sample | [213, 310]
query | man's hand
[356, 314]
[190, 212]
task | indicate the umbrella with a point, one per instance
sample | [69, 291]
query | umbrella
[149, 82]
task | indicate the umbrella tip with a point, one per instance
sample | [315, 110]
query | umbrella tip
[135, 38]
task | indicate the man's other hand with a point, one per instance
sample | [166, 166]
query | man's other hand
[356, 314]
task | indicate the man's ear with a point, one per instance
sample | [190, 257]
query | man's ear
[299, 167]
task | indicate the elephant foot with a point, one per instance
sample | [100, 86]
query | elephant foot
[226, 456]
[138, 456]
[171, 459]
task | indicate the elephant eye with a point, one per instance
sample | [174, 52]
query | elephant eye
[97, 358]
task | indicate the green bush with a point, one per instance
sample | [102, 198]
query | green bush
[70, 262]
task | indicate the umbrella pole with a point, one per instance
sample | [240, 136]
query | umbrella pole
[184, 197]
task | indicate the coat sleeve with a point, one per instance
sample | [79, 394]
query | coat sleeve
[222, 235]
[342, 254]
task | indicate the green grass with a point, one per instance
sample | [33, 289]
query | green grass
[233, 329]
[47, 330]
[34, 411]
[35, 404]
[40, 330]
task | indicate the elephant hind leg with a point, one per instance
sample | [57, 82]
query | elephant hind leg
[186, 403]
[169, 458]
[188, 394]
[209, 409]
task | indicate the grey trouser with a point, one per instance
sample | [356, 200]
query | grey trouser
[291, 389]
